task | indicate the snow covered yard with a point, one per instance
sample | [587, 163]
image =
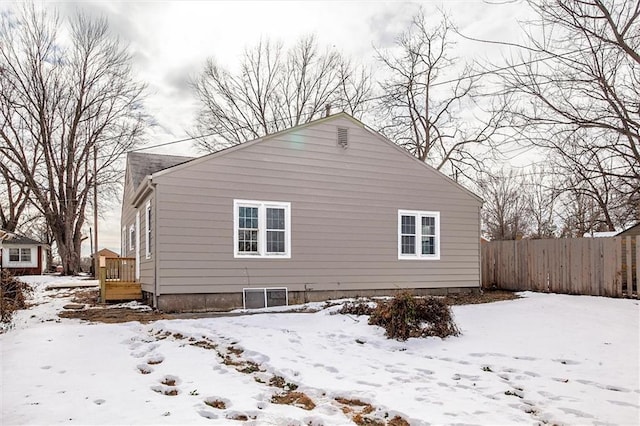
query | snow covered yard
[540, 359]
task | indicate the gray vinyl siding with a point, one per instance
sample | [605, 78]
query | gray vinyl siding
[344, 216]
[128, 218]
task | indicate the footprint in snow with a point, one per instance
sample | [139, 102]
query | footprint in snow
[45, 367]
[155, 359]
[208, 414]
[99, 401]
[525, 358]
[566, 361]
[144, 369]
[576, 413]
[170, 380]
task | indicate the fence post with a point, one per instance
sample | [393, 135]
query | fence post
[103, 283]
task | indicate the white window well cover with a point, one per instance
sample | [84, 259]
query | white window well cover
[256, 298]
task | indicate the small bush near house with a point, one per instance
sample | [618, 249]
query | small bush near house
[356, 308]
[13, 294]
[407, 316]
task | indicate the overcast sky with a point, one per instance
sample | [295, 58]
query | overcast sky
[171, 40]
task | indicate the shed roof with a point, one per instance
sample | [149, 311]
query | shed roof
[632, 230]
[13, 238]
[143, 164]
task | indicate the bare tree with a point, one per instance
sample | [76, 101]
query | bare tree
[66, 97]
[541, 199]
[274, 90]
[505, 209]
[427, 98]
[14, 196]
[578, 91]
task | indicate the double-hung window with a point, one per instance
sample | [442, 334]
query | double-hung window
[262, 229]
[19, 255]
[418, 234]
[147, 239]
[132, 237]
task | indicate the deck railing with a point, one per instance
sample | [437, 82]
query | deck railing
[118, 279]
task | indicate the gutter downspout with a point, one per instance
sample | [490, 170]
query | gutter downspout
[154, 254]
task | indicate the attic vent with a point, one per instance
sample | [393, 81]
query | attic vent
[343, 137]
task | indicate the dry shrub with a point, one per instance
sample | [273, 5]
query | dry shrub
[14, 295]
[356, 308]
[407, 316]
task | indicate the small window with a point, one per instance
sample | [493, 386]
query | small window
[256, 298]
[148, 227]
[418, 234]
[14, 255]
[262, 229]
[132, 237]
[19, 255]
[25, 255]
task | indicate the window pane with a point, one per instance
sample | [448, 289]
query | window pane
[408, 225]
[275, 218]
[247, 241]
[25, 255]
[428, 225]
[275, 242]
[428, 245]
[14, 255]
[408, 244]
[248, 217]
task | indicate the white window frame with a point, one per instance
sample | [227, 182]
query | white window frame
[123, 253]
[418, 215]
[21, 257]
[132, 237]
[264, 292]
[147, 236]
[137, 231]
[262, 229]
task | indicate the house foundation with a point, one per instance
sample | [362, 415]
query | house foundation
[220, 302]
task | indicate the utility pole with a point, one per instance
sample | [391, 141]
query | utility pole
[96, 261]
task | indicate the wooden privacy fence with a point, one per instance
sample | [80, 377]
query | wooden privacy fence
[589, 266]
[118, 279]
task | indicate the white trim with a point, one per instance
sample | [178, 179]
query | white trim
[244, 290]
[147, 234]
[21, 262]
[262, 229]
[137, 231]
[132, 241]
[419, 214]
[123, 242]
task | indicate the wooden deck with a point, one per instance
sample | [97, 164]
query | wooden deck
[117, 279]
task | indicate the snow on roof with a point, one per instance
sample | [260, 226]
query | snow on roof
[601, 234]
[14, 238]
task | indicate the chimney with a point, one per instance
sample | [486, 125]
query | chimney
[327, 110]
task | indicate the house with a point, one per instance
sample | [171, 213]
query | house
[323, 210]
[21, 255]
[105, 252]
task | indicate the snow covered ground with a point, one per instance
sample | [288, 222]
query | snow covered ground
[541, 359]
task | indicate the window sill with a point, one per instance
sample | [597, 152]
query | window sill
[262, 256]
[408, 257]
